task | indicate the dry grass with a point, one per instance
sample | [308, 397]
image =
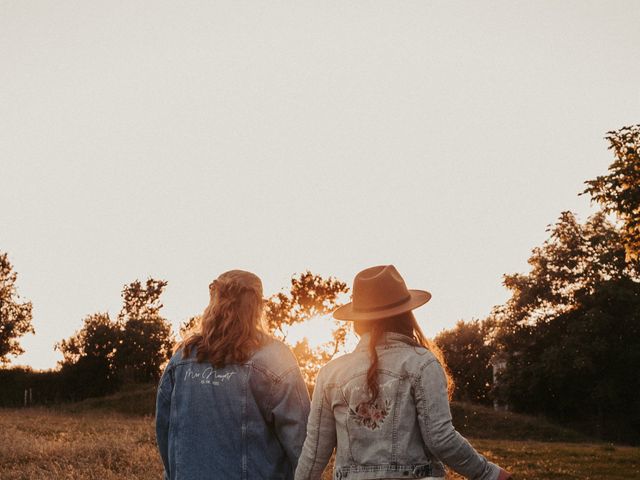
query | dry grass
[45, 444]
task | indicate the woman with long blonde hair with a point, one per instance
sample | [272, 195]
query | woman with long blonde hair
[231, 403]
[384, 408]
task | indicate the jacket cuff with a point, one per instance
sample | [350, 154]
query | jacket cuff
[492, 472]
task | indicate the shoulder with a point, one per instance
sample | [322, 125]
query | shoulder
[275, 357]
[418, 360]
[422, 356]
[345, 366]
[179, 358]
[410, 361]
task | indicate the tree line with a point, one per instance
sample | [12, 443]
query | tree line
[566, 342]
[106, 352]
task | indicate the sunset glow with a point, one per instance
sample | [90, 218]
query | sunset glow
[318, 332]
[191, 193]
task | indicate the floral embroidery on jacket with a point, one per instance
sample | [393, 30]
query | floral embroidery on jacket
[370, 414]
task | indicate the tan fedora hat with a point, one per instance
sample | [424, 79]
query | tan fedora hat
[380, 292]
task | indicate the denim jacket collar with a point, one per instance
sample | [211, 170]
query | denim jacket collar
[387, 340]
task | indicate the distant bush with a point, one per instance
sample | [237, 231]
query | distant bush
[70, 384]
[46, 387]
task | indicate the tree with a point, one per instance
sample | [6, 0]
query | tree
[619, 191]
[468, 351]
[89, 356]
[583, 364]
[15, 316]
[99, 337]
[570, 264]
[190, 327]
[146, 338]
[104, 352]
[570, 325]
[310, 360]
[309, 296]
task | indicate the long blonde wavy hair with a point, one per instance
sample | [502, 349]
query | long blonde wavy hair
[231, 327]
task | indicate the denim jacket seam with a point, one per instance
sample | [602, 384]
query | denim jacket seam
[385, 346]
[423, 400]
[346, 424]
[184, 361]
[364, 372]
[265, 371]
[393, 340]
[292, 368]
[318, 425]
[273, 382]
[167, 372]
[394, 427]
[245, 419]
[425, 365]
[276, 380]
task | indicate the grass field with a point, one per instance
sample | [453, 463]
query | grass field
[45, 444]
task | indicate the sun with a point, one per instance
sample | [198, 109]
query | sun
[319, 332]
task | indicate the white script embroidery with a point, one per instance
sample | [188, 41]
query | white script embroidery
[209, 376]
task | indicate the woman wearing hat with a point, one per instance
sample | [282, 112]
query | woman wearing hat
[385, 406]
[231, 403]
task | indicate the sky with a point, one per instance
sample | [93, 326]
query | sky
[179, 140]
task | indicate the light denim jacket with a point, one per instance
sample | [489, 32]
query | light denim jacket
[406, 433]
[243, 421]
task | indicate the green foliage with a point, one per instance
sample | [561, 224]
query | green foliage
[142, 301]
[46, 387]
[619, 190]
[89, 356]
[468, 350]
[15, 316]
[310, 360]
[570, 331]
[146, 339]
[104, 353]
[309, 296]
[583, 364]
[99, 337]
[572, 263]
[190, 327]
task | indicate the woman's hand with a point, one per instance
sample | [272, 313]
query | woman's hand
[504, 475]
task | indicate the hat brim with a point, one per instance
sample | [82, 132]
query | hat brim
[347, 312]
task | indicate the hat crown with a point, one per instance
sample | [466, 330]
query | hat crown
[379, 288]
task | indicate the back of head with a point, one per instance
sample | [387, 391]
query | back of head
[231, 326]
[381, 302]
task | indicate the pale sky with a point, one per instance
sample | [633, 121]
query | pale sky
[183, 139]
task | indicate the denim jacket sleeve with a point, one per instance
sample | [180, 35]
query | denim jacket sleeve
[438, 433]
[163, 411]
[290, 410]
[321, 436]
